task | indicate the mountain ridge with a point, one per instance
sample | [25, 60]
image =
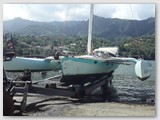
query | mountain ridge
[109, 28]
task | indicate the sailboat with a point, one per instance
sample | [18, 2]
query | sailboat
[98, 63]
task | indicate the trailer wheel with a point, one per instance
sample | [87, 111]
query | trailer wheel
[8, 104]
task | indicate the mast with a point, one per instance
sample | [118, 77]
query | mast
[89, 44]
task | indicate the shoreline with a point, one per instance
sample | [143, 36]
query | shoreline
[41, 105]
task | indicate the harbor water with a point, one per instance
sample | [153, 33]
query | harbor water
[131, 89]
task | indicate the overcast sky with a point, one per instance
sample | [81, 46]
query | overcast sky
[63, 12]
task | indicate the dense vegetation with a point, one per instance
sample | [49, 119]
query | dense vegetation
[46, 46]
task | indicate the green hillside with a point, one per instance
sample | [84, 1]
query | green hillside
[107, 28]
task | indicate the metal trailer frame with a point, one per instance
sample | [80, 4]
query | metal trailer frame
[57, 89]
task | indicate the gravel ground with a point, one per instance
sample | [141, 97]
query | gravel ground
[41, 105]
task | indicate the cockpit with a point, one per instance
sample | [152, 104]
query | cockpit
[106, 52]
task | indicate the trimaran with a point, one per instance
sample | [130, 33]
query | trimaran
[81, 69]
[97, 63]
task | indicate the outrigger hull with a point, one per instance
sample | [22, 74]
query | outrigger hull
[19, 64]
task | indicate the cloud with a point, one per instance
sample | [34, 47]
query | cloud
[11, 11]
[127, 11]
[144, 11]
[61, 12]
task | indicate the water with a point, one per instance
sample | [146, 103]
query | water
[129, 88]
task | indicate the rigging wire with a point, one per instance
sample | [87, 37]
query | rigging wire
[134, 20]
[63, 30]
[137, 42]
[64, 27]
[74, 11]
[65, 23]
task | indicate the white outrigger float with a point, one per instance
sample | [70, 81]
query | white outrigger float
[81, 75]
[19, 64]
